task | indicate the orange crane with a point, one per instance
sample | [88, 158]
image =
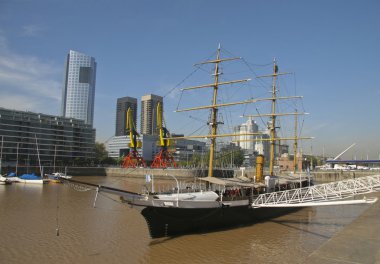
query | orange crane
[133, 159]
[164, 158]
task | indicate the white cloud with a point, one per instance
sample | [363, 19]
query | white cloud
[28, 82]
[32, 30]
[17, 101]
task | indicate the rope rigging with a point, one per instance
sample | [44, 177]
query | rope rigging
[198, 67]
[225, 95]
[57, 214]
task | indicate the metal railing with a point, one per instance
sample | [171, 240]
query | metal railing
[322, 194]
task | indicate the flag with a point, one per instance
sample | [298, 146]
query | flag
[147, 178]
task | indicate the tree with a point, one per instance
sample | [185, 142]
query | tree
[230, 156]
[101, 154]
[225, 158]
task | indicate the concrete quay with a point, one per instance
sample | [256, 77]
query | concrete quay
[359, 242]
[330, 176]
[318, 176]
[141, 172]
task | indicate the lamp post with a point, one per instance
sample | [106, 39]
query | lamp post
[177, 186]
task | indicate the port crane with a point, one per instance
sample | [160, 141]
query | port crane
[164, 158]
[133, 159]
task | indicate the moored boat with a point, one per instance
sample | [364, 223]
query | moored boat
[57, 177]
[217, 203]
[31, 178]
[4, 180]
[25, 178]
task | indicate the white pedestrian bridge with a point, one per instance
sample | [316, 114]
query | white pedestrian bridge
[334, 193]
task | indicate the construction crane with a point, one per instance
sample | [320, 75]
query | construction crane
[164, 158]
[133, 159]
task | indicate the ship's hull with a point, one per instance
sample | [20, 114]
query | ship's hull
[174, 221]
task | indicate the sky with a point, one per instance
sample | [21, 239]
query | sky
[331, 49]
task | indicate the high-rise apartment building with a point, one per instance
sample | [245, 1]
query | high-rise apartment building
[148, 113]
[252, 144]
[122, 106]
[78, 93]
[247, 142]
[28, 137]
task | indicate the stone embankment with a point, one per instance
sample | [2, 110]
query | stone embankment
[330, 176]
[319, 176]
[141, 172]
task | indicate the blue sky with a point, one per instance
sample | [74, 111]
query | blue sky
[146, 47]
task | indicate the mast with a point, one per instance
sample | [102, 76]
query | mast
[214, 114]
[38, 156]
[273, 115]
[295, 143]
[272, 128]
[213, 122]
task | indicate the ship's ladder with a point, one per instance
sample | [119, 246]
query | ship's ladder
[334, 193]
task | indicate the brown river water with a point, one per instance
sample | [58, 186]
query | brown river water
[113, 232]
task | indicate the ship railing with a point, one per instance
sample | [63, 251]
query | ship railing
[322, 194]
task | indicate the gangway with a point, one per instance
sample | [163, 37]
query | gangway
[334, 193]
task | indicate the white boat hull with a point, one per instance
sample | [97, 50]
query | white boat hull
[18, 180]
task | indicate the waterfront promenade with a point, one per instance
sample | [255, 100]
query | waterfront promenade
[359, 242]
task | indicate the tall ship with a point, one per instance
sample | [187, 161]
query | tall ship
[220, 203]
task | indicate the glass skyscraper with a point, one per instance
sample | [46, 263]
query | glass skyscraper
[122, 106]
[78, 93]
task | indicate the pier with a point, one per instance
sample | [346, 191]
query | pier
[359, 242]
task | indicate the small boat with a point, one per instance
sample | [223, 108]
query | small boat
[56, 177]
[25, 178]
[4, 180]
[32, 178]
[11, 177]
[59, 175]
[52, 178]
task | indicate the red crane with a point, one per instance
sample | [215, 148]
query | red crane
[164, 158]
[133, 159]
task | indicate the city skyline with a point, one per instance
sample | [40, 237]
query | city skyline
[332, 47]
